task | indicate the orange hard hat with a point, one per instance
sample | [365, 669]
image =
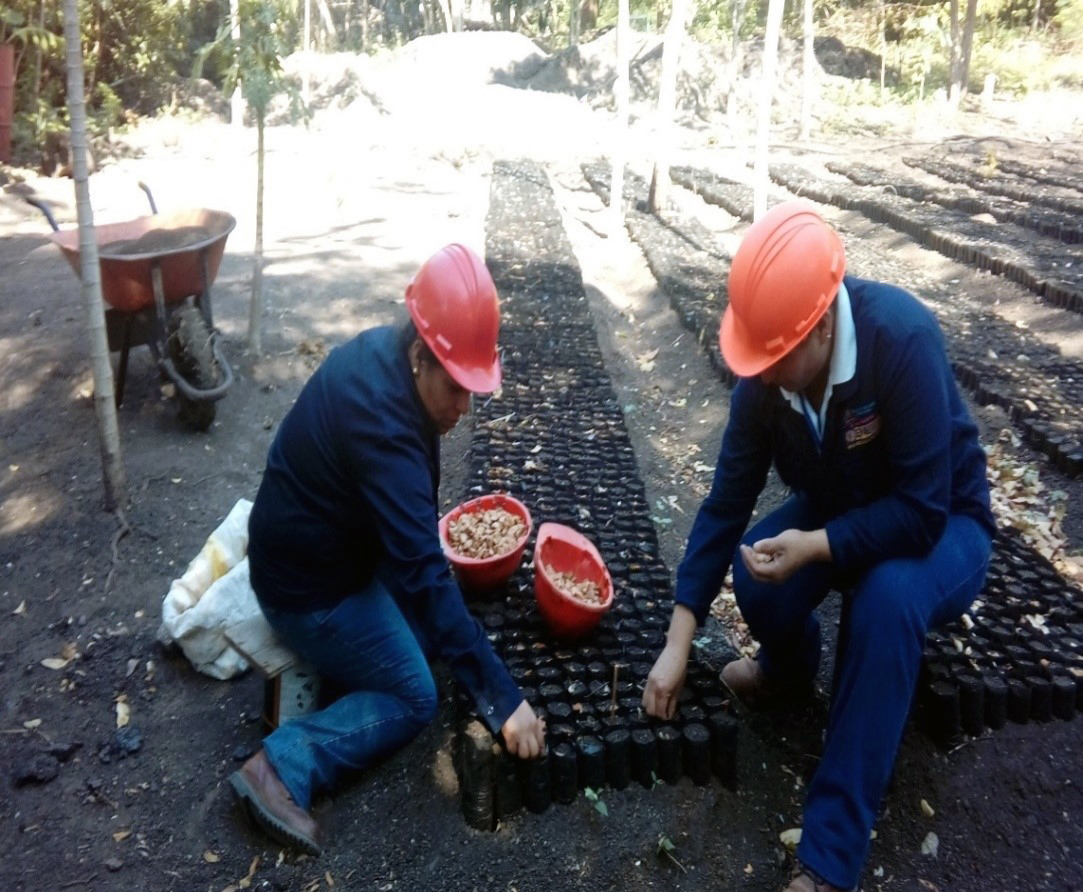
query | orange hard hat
[454, 305]
[784, 276]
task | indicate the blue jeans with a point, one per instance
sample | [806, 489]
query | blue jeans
[892, 607]
[365, 646]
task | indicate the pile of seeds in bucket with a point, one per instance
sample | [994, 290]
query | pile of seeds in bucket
[585, 590]
[487, 533]
[554, 437]
[1018, 656]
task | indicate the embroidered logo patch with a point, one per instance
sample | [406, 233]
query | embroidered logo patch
[860, 425]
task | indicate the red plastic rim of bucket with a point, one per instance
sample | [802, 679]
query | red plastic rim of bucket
[483, 503]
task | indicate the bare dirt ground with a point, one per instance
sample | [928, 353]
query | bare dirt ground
[354, 204]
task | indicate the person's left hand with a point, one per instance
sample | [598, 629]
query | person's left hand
[778, 558]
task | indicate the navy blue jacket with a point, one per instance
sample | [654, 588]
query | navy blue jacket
[350, 492]
[899, 453]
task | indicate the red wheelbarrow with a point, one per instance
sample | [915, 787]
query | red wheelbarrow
[156, 276]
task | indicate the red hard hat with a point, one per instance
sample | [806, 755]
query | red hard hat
[454, 305]
[784, 276]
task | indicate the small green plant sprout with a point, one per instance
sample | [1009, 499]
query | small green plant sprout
[599, 805]
[666, 848]
[655, 780]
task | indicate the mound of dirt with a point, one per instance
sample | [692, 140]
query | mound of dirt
[461, 67]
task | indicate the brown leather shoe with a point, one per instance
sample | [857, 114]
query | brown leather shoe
[745, 678]
[270, 806]
[807, 881]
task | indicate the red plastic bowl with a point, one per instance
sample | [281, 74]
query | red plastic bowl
[561, 549]
[482, 574]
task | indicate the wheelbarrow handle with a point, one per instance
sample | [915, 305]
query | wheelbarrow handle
[197, 394]
[150, 197]
[45, 209]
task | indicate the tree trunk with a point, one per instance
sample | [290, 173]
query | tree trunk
[588, 15]
[955, 65]
[737, 13]
[364, 24]
[90, 273]
[573, 23]
[620, 90]
[306, 49]
[809, 85]
[767, 91]
[236, 101]
[330, 32]
[255, 305]
[445, 8]
[881, 18]
[968, 42]
[667, 105]
[38, 55]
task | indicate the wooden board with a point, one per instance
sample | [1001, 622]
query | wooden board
[256, 641]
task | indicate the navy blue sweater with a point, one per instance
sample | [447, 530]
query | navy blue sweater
[899, 454]
[350, 492]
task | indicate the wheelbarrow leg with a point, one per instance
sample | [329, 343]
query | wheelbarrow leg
[122, 368]
[203, 299]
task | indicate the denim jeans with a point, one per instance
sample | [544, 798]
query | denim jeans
[366, 647]
[892, 606]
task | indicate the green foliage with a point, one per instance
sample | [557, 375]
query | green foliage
[1069, 19]
[130, 52]
[666, 849]
[254, 62]
[599, 804]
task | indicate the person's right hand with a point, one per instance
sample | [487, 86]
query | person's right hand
[665, 682]
[524, 733]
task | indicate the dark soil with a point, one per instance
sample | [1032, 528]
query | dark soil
[91, 806]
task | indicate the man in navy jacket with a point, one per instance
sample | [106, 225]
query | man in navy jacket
[345, 555]
[845, 386]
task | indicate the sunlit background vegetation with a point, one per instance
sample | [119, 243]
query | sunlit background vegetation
[140, 55]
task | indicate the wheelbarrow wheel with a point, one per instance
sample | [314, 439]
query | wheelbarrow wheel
[192, 353]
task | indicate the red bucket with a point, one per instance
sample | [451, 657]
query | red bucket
[485, 574]
[561, 549]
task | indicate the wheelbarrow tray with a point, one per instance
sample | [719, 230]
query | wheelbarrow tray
[176, 243]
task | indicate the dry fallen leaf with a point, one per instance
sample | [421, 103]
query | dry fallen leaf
[122, 835]
[748, 869]
[20, 610]
[927, 809]
[790, 838]
[246, 880]
[930, 845]
[327, 876]
[31, 724]
[54, 663]
[124, 712]
[210, 857]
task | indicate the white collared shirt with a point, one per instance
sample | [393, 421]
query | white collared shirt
[843, 366]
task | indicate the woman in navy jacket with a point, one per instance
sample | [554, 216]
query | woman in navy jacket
[845, 386]
[345, 555]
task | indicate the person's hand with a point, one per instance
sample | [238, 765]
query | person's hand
[778, 558]
[665, 681]
[524, 733]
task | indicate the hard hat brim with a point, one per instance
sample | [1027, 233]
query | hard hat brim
[743, 359]
[476, 380]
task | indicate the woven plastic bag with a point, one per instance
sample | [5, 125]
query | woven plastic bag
[213, 594]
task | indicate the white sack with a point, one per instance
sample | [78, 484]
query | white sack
[213, 594]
